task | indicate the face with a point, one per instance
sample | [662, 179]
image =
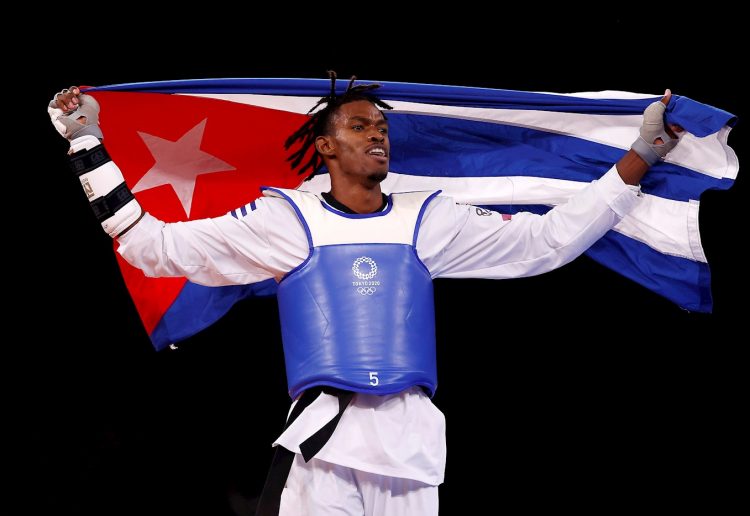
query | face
[358, 145]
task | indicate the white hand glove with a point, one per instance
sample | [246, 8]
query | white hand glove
[76, 122]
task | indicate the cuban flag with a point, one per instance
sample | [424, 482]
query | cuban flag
[203, 148]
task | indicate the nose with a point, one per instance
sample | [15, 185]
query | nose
[376, 137]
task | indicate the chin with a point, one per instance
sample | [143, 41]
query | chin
[378, 177]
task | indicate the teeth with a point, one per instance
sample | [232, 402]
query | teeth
[379, 152]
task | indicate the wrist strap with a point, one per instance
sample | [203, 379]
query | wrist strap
[106, 206]
[87, 160]
[645, 151]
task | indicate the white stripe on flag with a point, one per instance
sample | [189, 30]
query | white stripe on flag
[606, 94]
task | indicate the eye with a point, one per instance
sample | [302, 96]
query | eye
[358, 127]
[383, 130]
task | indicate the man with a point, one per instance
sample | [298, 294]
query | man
[355, 295]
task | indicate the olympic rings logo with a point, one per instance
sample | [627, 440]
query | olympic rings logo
[366, 291]
[365, 275]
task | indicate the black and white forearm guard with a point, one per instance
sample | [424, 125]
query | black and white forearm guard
[113, 203]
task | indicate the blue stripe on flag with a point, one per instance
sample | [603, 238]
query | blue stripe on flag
[243, 210]
[425, 145]
[680, 280]
[198, 306]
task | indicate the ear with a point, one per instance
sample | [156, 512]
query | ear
[324, 146]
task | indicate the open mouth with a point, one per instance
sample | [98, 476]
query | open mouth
[379, 158]
[378, 153]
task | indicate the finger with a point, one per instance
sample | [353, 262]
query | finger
[60, 97]
[62, 101]
[73, 93]
[666, 97]
[673, 130]
[67, 99]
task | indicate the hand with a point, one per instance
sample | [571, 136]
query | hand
[672, 130]
[75, 114]
[655, 139]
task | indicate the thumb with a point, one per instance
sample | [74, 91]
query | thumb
[667, 96]
[88, 101]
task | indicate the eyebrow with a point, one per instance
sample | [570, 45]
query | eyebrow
[382, 121]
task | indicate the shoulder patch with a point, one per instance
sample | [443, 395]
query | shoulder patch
[242, 211]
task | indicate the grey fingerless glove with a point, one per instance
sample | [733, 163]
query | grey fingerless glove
[68, 124]
[653, 128]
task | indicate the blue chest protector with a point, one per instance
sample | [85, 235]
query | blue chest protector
[358, 313]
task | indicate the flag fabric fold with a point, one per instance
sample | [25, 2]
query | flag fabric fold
[202, 148]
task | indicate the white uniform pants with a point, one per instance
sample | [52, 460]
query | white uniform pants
[319, 488]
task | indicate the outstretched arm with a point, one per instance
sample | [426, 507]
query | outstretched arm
[76, 118]
[482, 244]
[219, 251]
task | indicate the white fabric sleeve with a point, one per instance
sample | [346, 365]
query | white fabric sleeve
[225, 250]
[462, 241]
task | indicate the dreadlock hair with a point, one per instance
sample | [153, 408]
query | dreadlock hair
[319, 123]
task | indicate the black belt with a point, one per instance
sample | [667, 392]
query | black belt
[270, 498]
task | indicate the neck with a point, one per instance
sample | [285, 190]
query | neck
[358, 197]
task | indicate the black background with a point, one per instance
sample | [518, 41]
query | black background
[577, 389]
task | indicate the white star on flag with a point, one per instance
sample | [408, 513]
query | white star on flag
[179, 163]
